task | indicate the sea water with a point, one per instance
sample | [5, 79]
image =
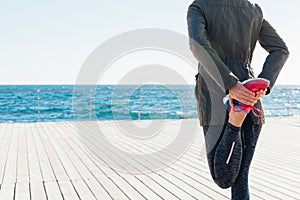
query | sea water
[32, 103]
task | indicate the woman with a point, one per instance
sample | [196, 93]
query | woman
[223, 35]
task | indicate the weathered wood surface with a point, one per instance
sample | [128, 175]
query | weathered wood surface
[53, 160]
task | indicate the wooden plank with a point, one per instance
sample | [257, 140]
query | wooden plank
[172, 188]
[22, 163]
[35, 171]
[68, 191]
[97, 189]
[283, 182]
[68, 160]
[198, 187]
[126, 186]
[4, 149]
[193, 192]
[89, 179]
[188, 177]
[53, 191]
[7, 191]
[157, 187]
[288, 160]
[255, 196]
[175, 180]
[195, 169]
[61, 165]
[179, 181]
[128, 190]
[165, 176]
[167, 179]
[212, 192]
[72, 163]
[97, 171]
[3, 133]
[53, 157]
[259, 193]
[274, 190]
[133, 183]
[45, 167]
[10, 174]
[141, 187]
[83, 191]
[122, 183]
[22, 191]
[262, 193]
[37, 191]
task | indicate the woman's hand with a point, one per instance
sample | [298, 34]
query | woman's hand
[243, 95]
[261, 93]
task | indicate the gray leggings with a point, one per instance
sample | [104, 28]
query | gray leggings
[229, 153]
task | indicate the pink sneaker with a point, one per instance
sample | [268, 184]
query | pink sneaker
[254, 84]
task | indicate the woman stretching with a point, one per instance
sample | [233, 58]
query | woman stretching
[223, 35]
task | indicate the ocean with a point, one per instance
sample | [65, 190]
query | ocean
[38, 103]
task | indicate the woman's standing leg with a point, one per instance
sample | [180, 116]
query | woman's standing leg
[250, 131]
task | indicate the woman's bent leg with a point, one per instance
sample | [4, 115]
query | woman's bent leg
[224, 153]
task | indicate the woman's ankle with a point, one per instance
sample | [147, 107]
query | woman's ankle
[237, 118]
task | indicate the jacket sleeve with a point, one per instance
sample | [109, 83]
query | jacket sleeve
[278, 53]
[203, 51]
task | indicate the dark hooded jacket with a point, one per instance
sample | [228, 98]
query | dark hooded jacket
[223, 35]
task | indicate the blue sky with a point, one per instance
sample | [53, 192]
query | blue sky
[46, 42]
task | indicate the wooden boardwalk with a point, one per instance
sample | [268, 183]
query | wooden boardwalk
[51, 161]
